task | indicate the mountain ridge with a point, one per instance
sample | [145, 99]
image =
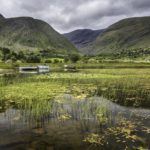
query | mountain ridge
[2, 17]
[82, 37]
[129, 33]
[24, 33]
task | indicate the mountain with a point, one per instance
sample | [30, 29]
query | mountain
[26, 33]
[1, 17]
[126, 34]
[82, 37]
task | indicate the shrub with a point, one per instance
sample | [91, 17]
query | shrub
[48, 61]
[56, 61]
[33, 59]
[74, 58]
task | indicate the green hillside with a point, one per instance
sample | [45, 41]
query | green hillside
[132, 33]
[28, 34]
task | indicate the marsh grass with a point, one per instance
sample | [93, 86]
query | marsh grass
[129, 87]
[24, 93]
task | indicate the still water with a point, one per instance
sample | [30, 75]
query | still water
[89, 124]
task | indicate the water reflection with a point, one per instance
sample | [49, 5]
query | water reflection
[92, 124]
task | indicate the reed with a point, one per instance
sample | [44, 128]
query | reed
[129, 87]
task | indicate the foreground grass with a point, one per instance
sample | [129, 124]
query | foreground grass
[25, 93]
[129, 87]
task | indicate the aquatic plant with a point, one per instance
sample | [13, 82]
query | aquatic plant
[94, 139]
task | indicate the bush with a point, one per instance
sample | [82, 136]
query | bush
[48, 61]
[74, 58]
[33, 59]
[56, 61]
[66, 59]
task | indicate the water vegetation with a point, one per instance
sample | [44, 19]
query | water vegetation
[129, 87]
[66, 105]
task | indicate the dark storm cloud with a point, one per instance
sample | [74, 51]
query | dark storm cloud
[67, 15]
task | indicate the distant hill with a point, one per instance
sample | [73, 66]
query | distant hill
[26, 33]
[126, 34]
[81, 38]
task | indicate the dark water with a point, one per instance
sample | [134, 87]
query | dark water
[91, 124]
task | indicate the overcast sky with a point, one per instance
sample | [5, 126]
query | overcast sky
[68, 15]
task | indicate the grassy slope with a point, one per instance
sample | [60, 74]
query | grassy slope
[82, 37]
[27, 33]
[127, 33]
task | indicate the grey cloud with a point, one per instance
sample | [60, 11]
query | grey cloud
[140, 4]
[67, 15]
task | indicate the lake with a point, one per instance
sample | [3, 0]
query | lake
[73, 124]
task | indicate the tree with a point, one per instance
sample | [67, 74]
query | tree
[21, 55]
[33, 59]
[56, 61]
[74, 58]
[66, 59]
[5, 53]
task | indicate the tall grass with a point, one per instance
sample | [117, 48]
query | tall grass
[130, 87]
